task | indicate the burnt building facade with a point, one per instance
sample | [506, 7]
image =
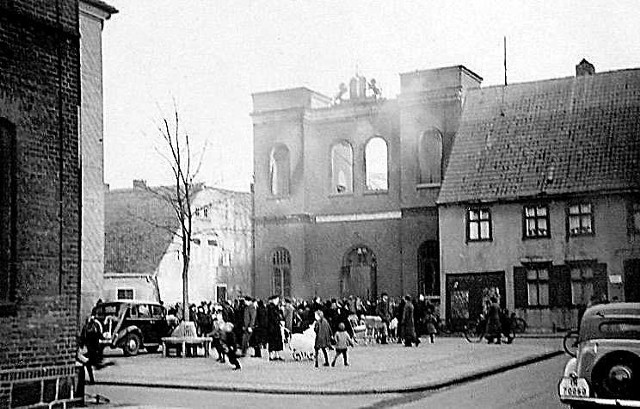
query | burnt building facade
[346, 188]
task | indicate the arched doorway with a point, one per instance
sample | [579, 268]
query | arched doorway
[281, 268]
[359, 274]
[429, 268]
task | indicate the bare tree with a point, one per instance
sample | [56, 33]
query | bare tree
[184, 170]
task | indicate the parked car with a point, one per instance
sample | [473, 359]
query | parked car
[604, 370]
[132, 325]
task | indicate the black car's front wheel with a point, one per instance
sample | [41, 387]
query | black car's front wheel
[131, 345]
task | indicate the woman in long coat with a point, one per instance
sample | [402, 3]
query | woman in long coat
[408, 324]
[323, 337]
[260, 331]
[274, 333]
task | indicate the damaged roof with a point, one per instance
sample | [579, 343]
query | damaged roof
[560, 136]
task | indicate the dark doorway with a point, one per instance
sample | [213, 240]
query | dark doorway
[468, 295]
[632, 280]
[358, 276]
[429, 268]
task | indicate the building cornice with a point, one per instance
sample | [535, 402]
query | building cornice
[449, 94]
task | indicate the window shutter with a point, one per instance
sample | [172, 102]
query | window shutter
[520, 287]
[600, 284]
[559, 286]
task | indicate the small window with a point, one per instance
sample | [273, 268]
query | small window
[205, 212]
[580, 219]
[157, 311]
[538, 286]
[125, 294]
[221, 293]
[581, 284]
[196, 242]
[144, 311]
[212, 242]
[536, 221]
[479, 224]
[341, 168]
[375, 162]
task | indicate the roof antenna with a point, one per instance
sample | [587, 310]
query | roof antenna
[505, 75]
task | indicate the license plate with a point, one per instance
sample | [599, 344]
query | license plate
[573, 388]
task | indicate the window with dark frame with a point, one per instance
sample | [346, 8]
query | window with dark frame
[582, 278]
[538, 286]
[8, 210]
[580, 219]
[281, 278]
[536, 222]
[479, 224]
[125, 294]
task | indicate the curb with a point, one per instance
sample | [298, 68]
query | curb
[282, 391]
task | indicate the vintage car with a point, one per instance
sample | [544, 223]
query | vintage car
[604, 370]
[132, 325]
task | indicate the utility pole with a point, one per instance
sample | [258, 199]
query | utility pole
[505, 60]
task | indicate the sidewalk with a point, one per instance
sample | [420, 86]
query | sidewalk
[373, 369]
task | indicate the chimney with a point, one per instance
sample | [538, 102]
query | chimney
[585, 68]
[139, 184]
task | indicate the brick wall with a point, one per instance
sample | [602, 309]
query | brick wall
[39, 95]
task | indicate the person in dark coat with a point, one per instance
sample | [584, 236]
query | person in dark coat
[260, 331]
[274, 333]
[400, 316]
[248, 322]
[494, 327]
[383, 310]
[408, 324]
[323, 337]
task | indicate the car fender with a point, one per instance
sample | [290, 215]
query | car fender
[124, 332]
[571, 367]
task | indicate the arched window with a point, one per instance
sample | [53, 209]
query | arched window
[375, 162]
[279, 171]
[281, 278]
[430, 157]
[429, 268]
[342, 168]
[359, 274]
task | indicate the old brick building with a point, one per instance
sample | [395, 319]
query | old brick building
[40, 205]
[345, 190]
[540, 203]
[142, 251]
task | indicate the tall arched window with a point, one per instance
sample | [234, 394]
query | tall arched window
[281, 277]
[430, 157]
[342, 168]
[375, 162]
[279, 171]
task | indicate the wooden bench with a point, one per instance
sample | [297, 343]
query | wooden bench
[188, 346]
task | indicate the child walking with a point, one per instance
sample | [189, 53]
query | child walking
[431, 320]
[343, 342]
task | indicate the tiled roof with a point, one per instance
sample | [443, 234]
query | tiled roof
[560, 136]
[138, 226]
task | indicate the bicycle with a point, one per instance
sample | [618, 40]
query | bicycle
[476, 330]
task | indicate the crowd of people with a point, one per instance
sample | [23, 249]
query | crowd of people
[249, 323]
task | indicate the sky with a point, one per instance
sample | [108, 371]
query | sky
[206, 58]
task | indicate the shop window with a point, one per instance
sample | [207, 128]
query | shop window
[580, 219]
[341, 168]
[375, 162]
[634, 217]
[536, 221]
[479, 224]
